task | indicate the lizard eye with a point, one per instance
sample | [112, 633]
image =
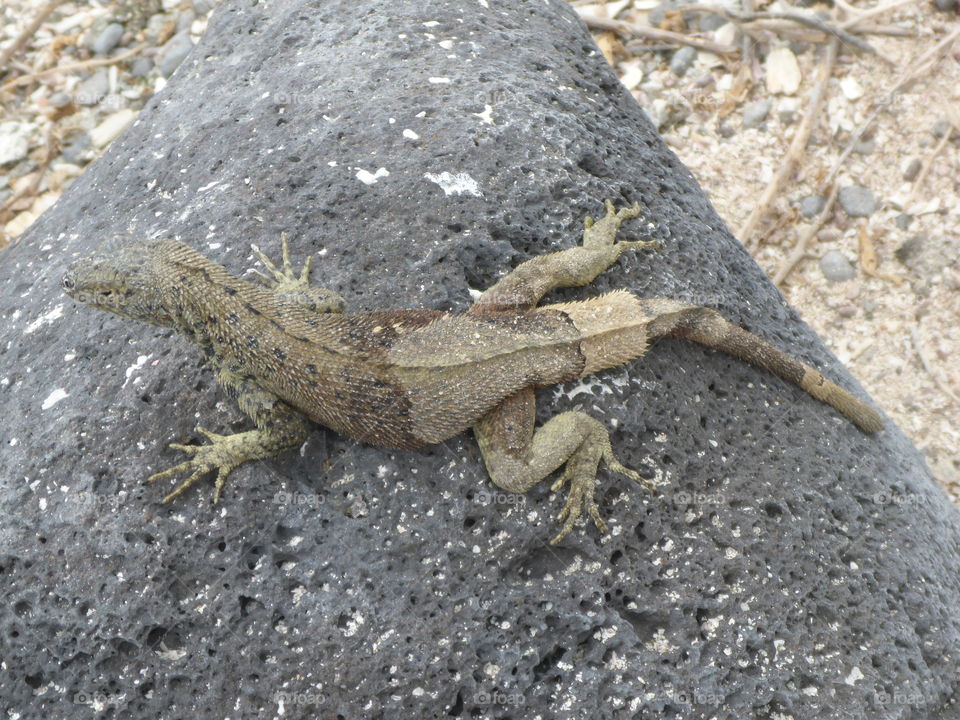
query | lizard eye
[68, 283]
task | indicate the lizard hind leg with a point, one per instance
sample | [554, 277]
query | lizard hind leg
[517, 457]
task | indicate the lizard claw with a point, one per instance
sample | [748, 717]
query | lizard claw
[581, 475]
[221, 456]
[287, 275]
[296, 288]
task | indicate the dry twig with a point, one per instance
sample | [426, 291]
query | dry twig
[799, 251]
[915, 336]
[858, 16]
[628, 29]
[28, 32]
[928, 163]
[796, 149]
[822, 26]
[85, 65]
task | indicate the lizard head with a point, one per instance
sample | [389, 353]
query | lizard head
[125, 276]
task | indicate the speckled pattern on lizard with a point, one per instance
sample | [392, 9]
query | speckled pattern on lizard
[288, 353]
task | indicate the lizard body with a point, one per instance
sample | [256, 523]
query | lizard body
[408, 378]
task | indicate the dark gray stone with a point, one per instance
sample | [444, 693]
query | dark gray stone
[60, 99]
[682, 60]
[94, 88]
[173, 52]
[940, 127]
[903, 221]
[185, 19]
[912, 170]
[857, 201]
[107, 39]
[709, 22]
[836, 267]
[910, 250]
[77, 147]
[812, 205]
[141, 67]
[929, 255]
[791, 566]
[755, 113]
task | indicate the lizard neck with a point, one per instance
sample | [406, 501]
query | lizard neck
[247, 326]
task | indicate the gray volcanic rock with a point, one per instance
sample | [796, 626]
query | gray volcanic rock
[791, 566]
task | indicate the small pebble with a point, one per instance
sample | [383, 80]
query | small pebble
[724, 130]
[864, 147]
[660, 11]
[812, 205]
[185, 20]
[76, 147]
[173, 53]
[755, 113]
[847, 311]
[202, 7]
[141, 67]
[910, 250]
[851, 89]
[107, 39]
[92, 90]
[829, 234]
[836, 267]
[903, 221]
[682, 60]
[13, 141]
[940, 128]
[157, 24]
[108, 130]
[59, 100]
[912, 170]
[783, 74]
[787, 111]
[945, 4]
[709, 22]
[857, 201]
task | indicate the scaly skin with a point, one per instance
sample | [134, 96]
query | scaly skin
[288, 353]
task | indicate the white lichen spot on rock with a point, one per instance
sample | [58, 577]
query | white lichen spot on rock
[455, 183]
[53, 398]
[49, 317]
[370, 178]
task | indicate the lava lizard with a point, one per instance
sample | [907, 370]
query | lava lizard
[409, 378]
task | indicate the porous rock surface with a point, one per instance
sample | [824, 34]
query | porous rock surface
[790, 567]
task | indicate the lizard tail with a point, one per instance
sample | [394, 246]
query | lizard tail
[617, 327]
[707, 327]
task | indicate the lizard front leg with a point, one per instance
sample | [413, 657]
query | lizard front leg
[531, 280]
[517, 456]
[279, 427]
[297, 288]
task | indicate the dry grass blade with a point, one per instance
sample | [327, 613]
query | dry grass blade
[796, 149]
[628, 29]
[87, 64]
[34, 25]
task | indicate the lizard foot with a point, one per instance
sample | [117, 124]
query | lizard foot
[223, 454]
[603, 232]
[296, 288]
[581, 474]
